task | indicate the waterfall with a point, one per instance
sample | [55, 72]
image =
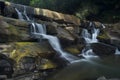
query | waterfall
[27, 18]
[20, 16]
[38, 31]
[117, 52]
[87, 52]
[54, 42]
[90, 38]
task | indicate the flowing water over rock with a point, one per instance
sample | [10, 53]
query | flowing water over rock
[89, 37]
[38, 31]
[90, 67]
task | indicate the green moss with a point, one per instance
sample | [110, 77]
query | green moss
[21, 49]
[13, 29]
[104, 35]
[73, 50]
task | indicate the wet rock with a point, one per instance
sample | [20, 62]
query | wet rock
[62, 33]
[74, 49]
[51, 28]
[102, 49]
[46, 64]
[66, 38]
[110, 35]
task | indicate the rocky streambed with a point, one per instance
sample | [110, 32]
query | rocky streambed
[23, 57]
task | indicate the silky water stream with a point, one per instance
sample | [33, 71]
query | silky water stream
[90, 67]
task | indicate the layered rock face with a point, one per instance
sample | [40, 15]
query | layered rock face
[27, 52]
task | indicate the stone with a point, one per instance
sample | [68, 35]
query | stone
[51, 28]
[74, 49]
[110, 35]
[66, 38]
[19, 50]
[13, 30]
[102, 49]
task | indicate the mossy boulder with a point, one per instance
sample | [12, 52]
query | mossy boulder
[22, 49]
[111, 34]
[74, 49]
[47, 64]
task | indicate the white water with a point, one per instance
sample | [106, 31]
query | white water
[54, 42]
[28, 19]
[103, 25]
[117, 52]
[90, 38]
[87, 52]
[38, 31]
[20, 16]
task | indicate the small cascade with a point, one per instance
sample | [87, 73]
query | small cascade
[20, 16]
[27, 18]
[87, 52]
[54, 42]
[103, 25]
[90, 37]
[38, 31]
[117, 52]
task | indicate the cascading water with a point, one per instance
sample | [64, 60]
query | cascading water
[39, 30]
[27, 18]
[87, 52]
[54, 42]
[20, 16]
[90, 37]
[117, 52]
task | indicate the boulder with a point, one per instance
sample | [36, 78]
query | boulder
[66, 38]
[111, 35]
[102, 49]
[51, 28]
[74, 49]
[13, 30]
[19, 50]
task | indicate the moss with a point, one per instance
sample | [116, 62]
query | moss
[104, 35]
[73, 50]
[21, 49]
[48, 64]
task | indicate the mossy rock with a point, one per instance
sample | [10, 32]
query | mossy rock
[74, 49]
[47, 64]
[22, 49]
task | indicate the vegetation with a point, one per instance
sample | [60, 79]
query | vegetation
[90, 9]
